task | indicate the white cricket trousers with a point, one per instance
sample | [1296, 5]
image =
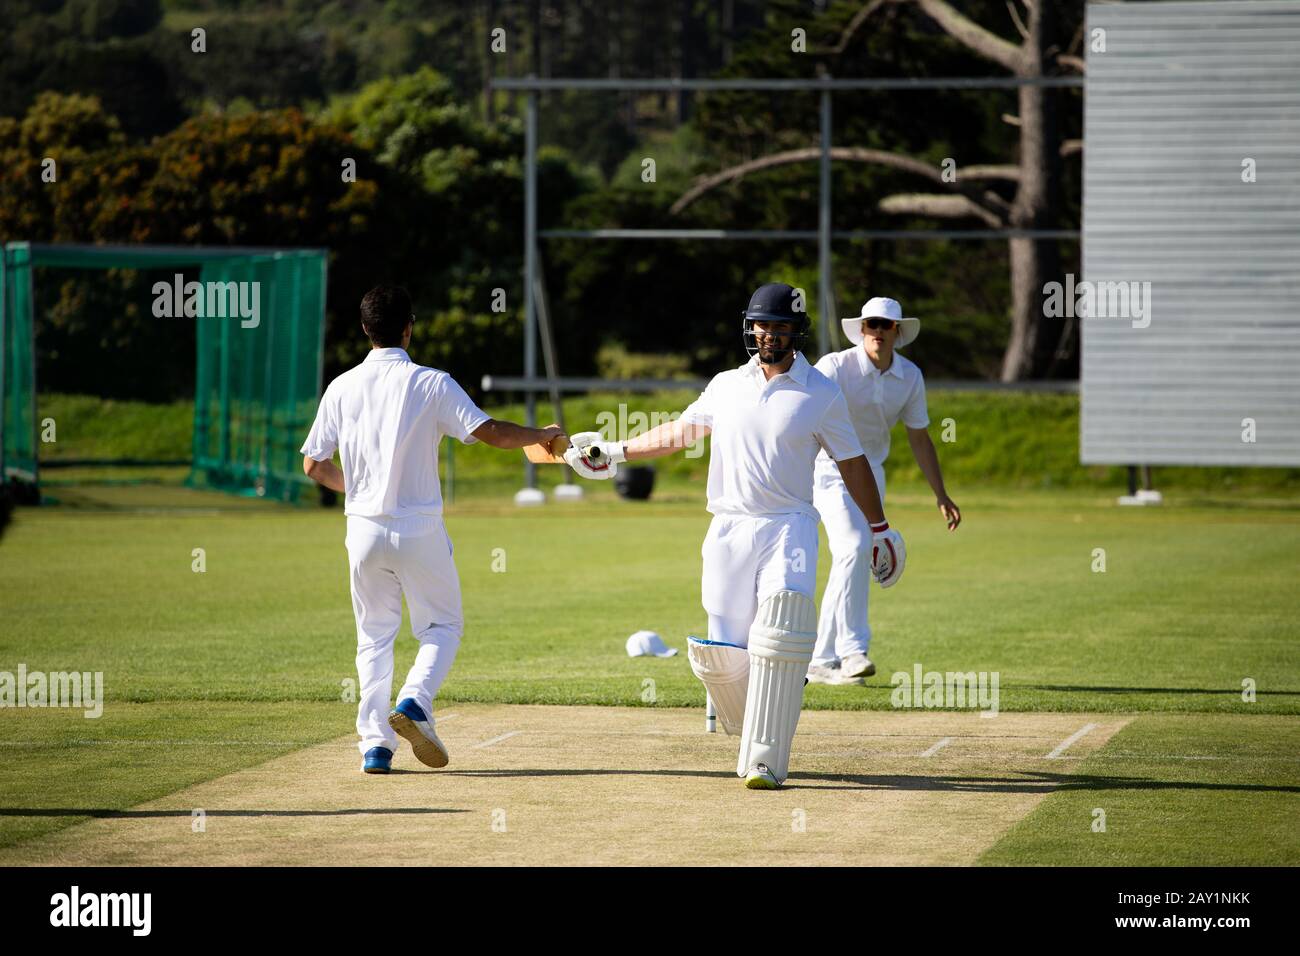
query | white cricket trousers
[387, 558]
[842, 627]
[747, 560]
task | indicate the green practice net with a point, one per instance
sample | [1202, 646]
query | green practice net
[260, 327]
[17, 367]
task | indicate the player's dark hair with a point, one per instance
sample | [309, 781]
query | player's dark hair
[385, 313]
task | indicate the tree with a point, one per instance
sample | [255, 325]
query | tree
[95, 47]
[264, 179]
[1035, 344]
[463, 188]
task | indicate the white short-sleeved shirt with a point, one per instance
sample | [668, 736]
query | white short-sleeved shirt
[386, 418]
[766, 436]
[876, 399]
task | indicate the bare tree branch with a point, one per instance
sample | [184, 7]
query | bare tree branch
[1015, 18]
[1010, 119]
[1010, 173]
[989, 201]
[940, 207]
[1071, 147]
[1070, 61]
[859, 18]
[1076, 41]
[971, 35]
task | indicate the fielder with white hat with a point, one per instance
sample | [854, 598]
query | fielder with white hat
[881, 387]
[769, 419]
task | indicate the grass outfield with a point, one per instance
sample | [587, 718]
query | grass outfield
[253, 658]
[1193, 602]
[1006, 439]
[1177, 791]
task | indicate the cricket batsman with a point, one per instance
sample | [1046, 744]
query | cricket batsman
[386, 418]
[769, 418]
[880, 387]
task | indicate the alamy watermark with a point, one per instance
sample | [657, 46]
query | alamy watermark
[75, 908]
[219, 300]
[624, 425]
[946, 689]
[81, 690]
[1098, 300]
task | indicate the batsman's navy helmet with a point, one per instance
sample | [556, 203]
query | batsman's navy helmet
[776, 302]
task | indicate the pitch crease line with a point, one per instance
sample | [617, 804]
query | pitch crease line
[937, 747]
[496, 740]
[1064, 745]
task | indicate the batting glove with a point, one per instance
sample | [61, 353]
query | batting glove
[887, 554]
[592, 457]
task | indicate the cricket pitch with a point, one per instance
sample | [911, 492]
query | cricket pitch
[547, 785]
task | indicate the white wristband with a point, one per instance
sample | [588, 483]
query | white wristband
[617, 453]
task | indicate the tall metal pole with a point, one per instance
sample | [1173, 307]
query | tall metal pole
[824, 225]
[530, 269]
[5, 318]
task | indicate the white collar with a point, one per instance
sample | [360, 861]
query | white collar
[869, 367]
[798, 369]
[388, 355]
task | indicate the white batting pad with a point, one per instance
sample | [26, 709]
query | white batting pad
[780, 646]
[724, 671]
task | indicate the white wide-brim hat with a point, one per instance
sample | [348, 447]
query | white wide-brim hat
[882, 308]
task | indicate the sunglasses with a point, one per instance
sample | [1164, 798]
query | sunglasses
[881, 325]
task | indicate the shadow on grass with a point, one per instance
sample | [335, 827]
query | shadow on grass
[108, 813]
[1091, 688]
[1029, 782]
[1024, 782]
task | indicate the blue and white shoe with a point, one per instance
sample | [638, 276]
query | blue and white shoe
[410, 721]
[378, 760]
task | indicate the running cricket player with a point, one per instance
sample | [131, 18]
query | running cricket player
[880, 387]
[769, 418]
[386, 418]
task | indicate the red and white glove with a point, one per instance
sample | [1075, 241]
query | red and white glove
[887, 554]
[592, 457]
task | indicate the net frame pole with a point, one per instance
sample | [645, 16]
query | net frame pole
[267, 463]
[299, 263]
[29, 280]
[223, 433]
[531, 85]
[824, 267]
[530, 270]
[4, 355]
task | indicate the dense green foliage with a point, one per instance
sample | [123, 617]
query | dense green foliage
[244, 143]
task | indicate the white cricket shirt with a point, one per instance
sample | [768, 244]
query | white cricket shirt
[766, 435]
[876, 399]
[386, 418]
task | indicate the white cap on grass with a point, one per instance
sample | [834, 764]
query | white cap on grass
[648, 644]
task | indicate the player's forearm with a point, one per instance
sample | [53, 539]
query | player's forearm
[861, 483]
[325, 473]
[927, 459]
[663, 440]
[503, 434]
